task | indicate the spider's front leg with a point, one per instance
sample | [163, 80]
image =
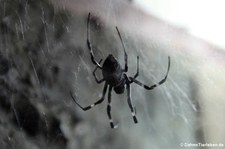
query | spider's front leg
[125, 53]
[137, 73]
[94, 104]
[90, 45]
[96, 79]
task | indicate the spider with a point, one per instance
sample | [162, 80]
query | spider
[115, 78]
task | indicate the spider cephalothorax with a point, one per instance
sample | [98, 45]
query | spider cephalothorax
[116, 78]
[111, 71]
[110, 64]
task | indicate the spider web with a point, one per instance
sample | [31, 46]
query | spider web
[44, 57]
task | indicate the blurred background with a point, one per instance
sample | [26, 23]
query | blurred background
[44, 56]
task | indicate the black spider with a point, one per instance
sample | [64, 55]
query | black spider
[115, 77]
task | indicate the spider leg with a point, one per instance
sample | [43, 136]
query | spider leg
[133, 110]
[137, 73]
[109, 109]
[125, 53]
[94, 104]
[96, 79]
[90, 45]
[154, 85]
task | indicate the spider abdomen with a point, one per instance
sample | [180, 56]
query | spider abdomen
[114, 80]
[119, 89]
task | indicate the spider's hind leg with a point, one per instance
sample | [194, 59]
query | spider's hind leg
[133, 110]
[109, 109]
[154, 85]
[94, 104]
